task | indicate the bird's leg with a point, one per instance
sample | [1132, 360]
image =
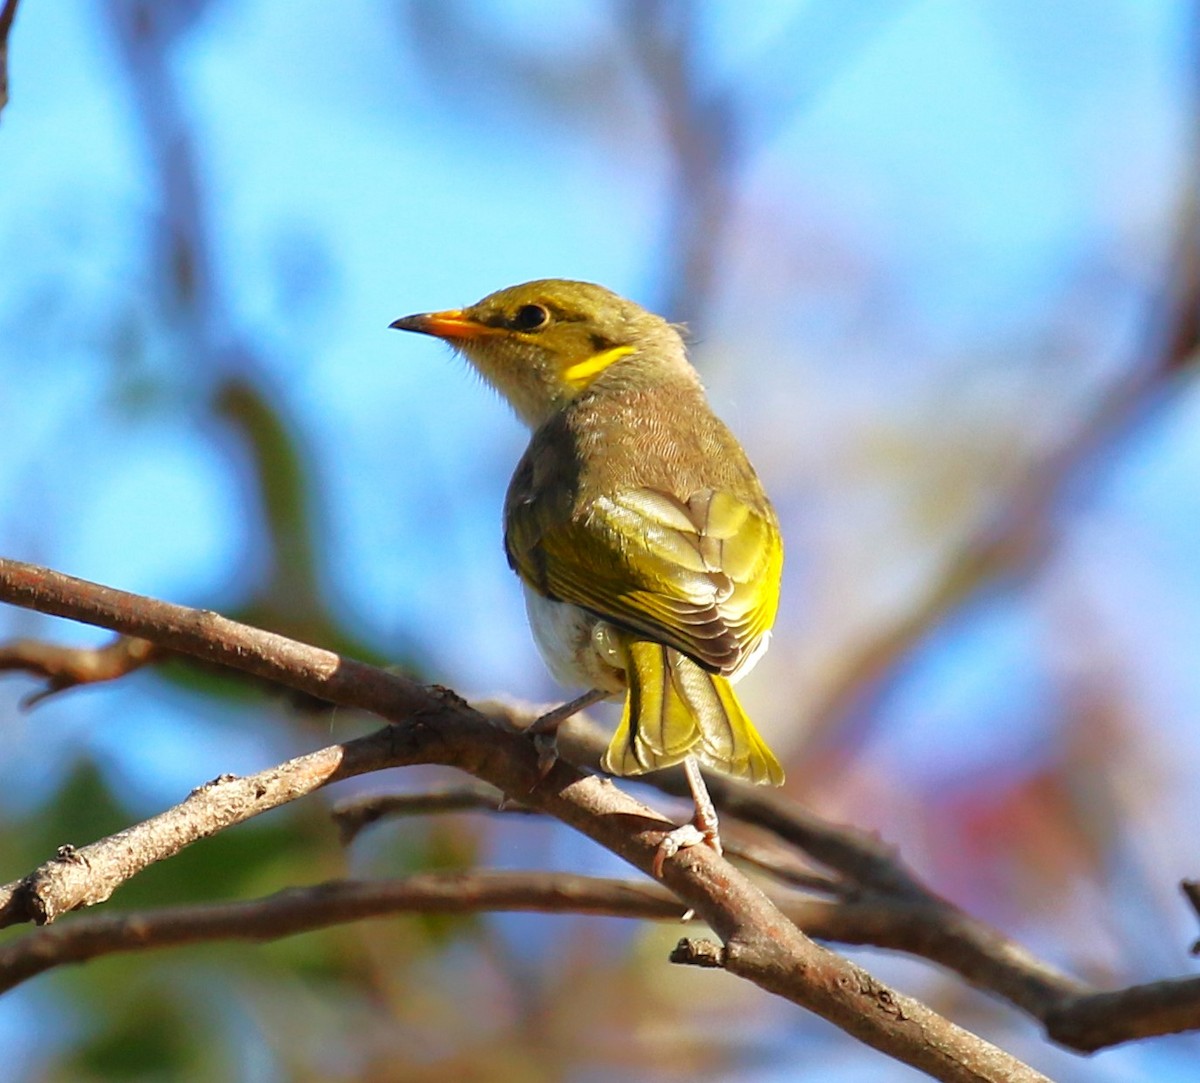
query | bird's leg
[544, 730]
[551, 720]
[703, 825]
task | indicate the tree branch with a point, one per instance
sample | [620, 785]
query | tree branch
[299, 910]
[356, 814]
[860, 856]
[67, 667]
[7, 14]
[87, 875]
[435, 726]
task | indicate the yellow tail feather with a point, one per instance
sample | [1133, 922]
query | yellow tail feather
[675, 709]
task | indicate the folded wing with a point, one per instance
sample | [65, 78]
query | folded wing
[700, 575]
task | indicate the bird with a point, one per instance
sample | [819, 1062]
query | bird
[650, 555]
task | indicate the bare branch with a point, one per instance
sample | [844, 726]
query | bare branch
[1080, 1021]
[68, 667]
[299, 910]
[1101, 1020]
[213, 638]
[884, 904]
[434, 726]
[84, 876]
[356, 814]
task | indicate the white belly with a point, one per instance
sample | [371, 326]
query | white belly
[574, 644]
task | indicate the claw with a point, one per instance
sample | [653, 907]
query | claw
[672, 842]
[547, 753]
[702, 828]
[544, 730]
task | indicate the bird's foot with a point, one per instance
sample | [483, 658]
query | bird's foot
[680, 839]
[702, 828]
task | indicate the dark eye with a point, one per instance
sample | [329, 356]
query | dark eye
[530, 318]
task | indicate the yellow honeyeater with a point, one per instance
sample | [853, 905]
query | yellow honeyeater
[649, 553]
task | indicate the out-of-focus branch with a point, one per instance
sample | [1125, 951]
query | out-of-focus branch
[267, 449]
[1015, 540]
[298, 910]
[68, 667]
[701, 131]
[1191, 892]
[358, 813]
[190, 302]
[714, 129]
[712, 125]
[7, 14]
[1173, 334]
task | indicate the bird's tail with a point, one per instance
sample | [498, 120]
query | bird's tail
[675, 709]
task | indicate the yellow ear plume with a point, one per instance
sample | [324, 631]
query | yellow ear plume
[582, 371]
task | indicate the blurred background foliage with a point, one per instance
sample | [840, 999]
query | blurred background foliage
[937, 262]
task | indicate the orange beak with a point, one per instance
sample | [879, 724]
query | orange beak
[451, 324]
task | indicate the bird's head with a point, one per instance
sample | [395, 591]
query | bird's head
[543, 343]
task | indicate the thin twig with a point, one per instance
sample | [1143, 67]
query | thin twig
[357, 813]
[353, 816]
[298, 910]
[69, 667]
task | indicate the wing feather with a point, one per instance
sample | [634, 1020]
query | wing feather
[700, 575]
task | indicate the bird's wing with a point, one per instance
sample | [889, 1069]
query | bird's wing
[701, 575]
